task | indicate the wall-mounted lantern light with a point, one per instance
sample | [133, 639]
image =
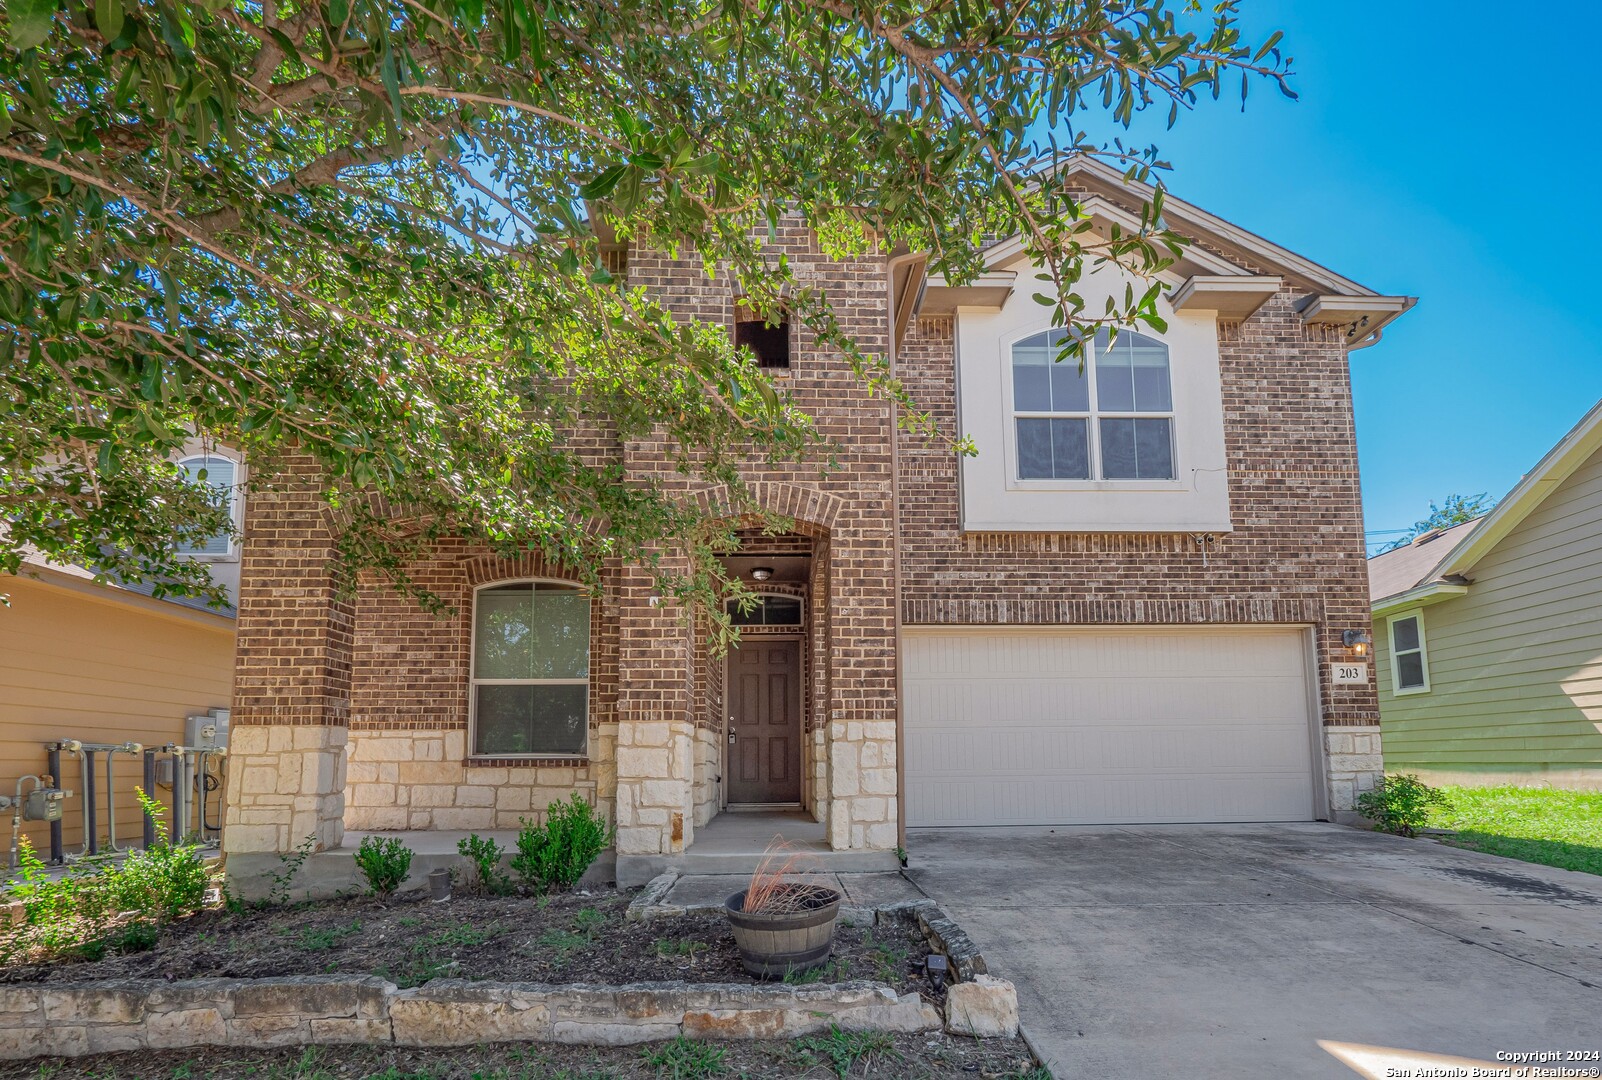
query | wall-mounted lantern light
[1357, 640]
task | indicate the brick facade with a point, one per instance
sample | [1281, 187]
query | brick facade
[396, 678]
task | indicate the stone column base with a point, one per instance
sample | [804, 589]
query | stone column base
[1355, 763]
[285, 783]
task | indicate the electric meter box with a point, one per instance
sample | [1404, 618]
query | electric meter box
[43, 804]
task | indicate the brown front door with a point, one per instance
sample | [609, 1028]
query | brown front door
[765, 721]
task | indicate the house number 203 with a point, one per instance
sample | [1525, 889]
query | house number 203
[1348, 674]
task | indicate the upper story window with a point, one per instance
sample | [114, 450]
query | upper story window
[767, 611]
[769, 342]
[221, 474]
[1410, 672]
[531, 670]
[1112, 419]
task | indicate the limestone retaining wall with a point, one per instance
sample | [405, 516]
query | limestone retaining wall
[59, 1020]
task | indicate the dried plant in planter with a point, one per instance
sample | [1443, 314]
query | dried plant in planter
[783, 923]
[779, 885]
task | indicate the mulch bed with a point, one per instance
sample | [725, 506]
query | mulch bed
[838, 1054]
[574, 937]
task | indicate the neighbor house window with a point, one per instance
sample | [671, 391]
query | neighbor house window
[1110, 419]
[1410, 673]
[768, 341]
[767, 611]
[218, 473]
[531, 669]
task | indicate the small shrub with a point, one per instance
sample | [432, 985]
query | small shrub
[289, 864]
[383, 863]
[1401, 804]
[556, 854]
[485, 855]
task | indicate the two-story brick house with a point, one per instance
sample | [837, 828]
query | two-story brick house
[1126, 608]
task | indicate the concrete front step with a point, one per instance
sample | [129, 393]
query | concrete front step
[636, 870]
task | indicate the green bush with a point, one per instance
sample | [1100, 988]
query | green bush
[485, 855]
[103, 903]
[556, 854]
[383, 863]
[1401, 804]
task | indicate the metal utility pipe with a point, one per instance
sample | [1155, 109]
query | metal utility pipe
[16, 817]
[53, 762]
[206, 755]
[91, 826]
[111, 790]
[149, 779]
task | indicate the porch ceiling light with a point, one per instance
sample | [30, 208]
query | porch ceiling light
[1357, 640]
[761, 573]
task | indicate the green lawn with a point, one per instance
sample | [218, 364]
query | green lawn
[1538, 825]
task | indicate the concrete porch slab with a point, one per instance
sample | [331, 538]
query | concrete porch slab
[704, 892]
[734, 843]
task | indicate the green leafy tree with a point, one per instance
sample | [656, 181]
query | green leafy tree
[1453, 510]
[373, 232]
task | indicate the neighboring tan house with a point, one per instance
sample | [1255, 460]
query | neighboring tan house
[103, 662]
[1488, 636]
[1126, 608]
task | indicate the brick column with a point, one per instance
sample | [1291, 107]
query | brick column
[286, 767]
[862, 807]
[655, 734]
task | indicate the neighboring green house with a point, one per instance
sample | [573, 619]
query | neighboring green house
[1488, 635]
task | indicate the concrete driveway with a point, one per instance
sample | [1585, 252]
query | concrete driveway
[1232, 950]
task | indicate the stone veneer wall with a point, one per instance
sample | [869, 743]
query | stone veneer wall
[423, 779]
[1354, 764]
[708, 767]
[278, 784]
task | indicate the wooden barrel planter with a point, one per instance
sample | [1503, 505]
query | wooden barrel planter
[774, 944]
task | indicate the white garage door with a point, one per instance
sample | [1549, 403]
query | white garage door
[1047, 726]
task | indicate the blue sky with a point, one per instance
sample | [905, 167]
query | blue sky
[1415, 162]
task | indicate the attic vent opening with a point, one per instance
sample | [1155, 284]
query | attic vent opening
[769, 342]
[1433, 534]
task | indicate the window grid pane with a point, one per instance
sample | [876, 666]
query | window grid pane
[1131, 377]
[531, 668]
[220, 478]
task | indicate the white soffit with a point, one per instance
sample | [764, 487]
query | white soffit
[1361, 316]
[1231, 297]
[989, 291]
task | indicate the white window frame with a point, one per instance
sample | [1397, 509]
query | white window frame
[1397, 689]
[474, 682]
[236, 507]
[1093, 420]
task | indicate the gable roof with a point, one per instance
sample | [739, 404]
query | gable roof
[1226, 269]
[1582, 442]
[1402, 571]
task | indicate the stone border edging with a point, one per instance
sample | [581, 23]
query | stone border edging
[945, 935]
[64, 1020]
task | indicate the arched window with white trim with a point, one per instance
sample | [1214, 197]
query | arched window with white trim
[222, 475]
[531, 670]
[1111, 418]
